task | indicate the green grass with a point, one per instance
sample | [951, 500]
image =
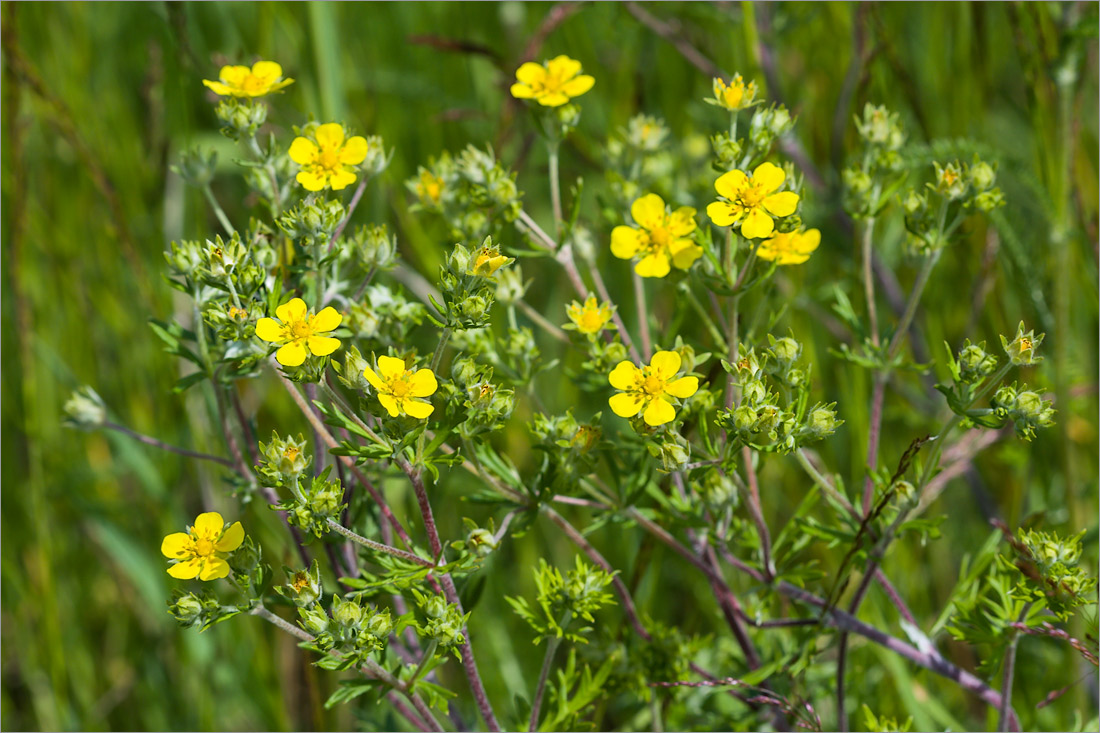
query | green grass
[99, 100]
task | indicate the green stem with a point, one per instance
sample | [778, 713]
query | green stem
[218, 212]
[555, 188]
[868, 275]
[438, 355]
[542, 322]
[547, 660]
[428, 655]
[712, 327]
[377, 546]
[643, 316]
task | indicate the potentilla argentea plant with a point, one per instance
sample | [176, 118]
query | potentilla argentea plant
[666, 431]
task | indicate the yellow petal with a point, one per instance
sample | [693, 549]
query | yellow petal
[665, 363]
[625, 405]
[327, 320]
[374, 379]
[683, 388]
[731, 184]
[553, 99]
[768, 176]
[293, 354]
[389, 403]
[418, 409]
[234, 76]
[177, 544]
[782, 203]
[231, 539]
[658, 413]
[530, 73]
[322, 345]
[721, 213]
[422, 383]
[685, 252]
[809, 241]
[391, 367]
[624, 376]
[563, 67]
[269, 330]
[654, 265]
[341, 179]
[217, 87]
[625, 242]
[757, 224]
[214, 568]
[311, 180]
[329, 136]
[303, 151]
[293, 310]
[185, 570]
[682, 222]
[269, 71]
[648, 211]
[768, 251]
[354, 151]
[522, 91]
[209, 524]
[578, 86]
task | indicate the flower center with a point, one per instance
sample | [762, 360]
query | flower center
[653, 385]
[300, 330]
[253, 83]
[660, 237]
[329, 159]
[399, 387]
[591, 321]
[204, 547]
[751, 195]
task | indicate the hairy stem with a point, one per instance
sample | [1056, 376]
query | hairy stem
[148, 440]
[377, 546]
[643, 316]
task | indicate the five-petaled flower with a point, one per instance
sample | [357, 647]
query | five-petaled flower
[263, 78]
[660, 238]
[300, 330]
[735, 95]
[752, 202]
[398, 388]
[553, 83]
[201, 550]
[429, 188]
[651, 389]
[789, 248]
[325, 159]
[590, 318]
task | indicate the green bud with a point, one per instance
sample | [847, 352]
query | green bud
[284, 460]
[744, 419]
[982, 175]
[903, 490]
[187, 610]
[915, 203]
[510, 285]
[645, 133]
[726, 150]
[821, 422]
[674, 456]
[304, 586]
[240, 119]
[568, 117]
[314, 620]
[185, 258]
[196, 167]
[85, 410]
[753, 392]
[350, 371]
[374, 247]
[718, 491]
[1004, 399]
[786, 351]
[975, 363]
[1021, 350]
[377, 160]
[481, 542]
[475, 308]
[951, 180]
[348, 614]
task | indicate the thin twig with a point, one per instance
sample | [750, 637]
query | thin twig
[148, 440]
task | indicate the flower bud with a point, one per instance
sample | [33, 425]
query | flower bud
[744, 419]
[1021, 350]
[284, 459]
[786, 351]
[481, 542]
[718, 491]
[348, 614]
[241, 119]
[304, 587]
[821, 422]
[314, 620]
[510, 285]
[197, 168]
[951, 180]
[674, 456]
[376, 160]
[85, 410]
[187, 610]
[982, 175]
[753, 392]
[351, 370]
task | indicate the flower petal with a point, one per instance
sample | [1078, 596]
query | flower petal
[648, 211]
[625, 405]
[653, 265]
[389, 403]
[322, 345]
[341, 179]
[782, 203]
[624, 376]
[563, 67]
[214, 568]
[683, 388]
[682, 222]
[269, 71]
[329, 135]
[185, 570]
[578, 86]
[293, 354]
[658, 413]
[373, 378]
[327, 320]
[354, 151]
[269, 329]
[665, 363]
[552, 99]
[217, 87]
[177, 544]
[303, 151]
[522, 91]
[418, 409]
[234, 76]
[625, 242]
[209, 524]
[391, 367]
[311, 180]
[684, 253]
[757, 224]
[231, 538]
[531, 73]
[731, 184]
[423, 383]
[293, 310]
[808, 242]
[768, 176]
[721, 213]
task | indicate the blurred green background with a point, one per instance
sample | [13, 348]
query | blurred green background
[99, 99]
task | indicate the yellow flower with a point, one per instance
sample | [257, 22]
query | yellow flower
[553, 83]
[736, 95]
[429, 188]
[398, 387]
[791, 248]
[488, 261]
[201, 550]
[752, 202]
[239, 81]
[299, 330]
[650, 388]
[325, 159]
[592, 317]
[660, 237]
